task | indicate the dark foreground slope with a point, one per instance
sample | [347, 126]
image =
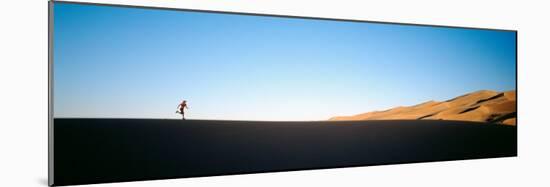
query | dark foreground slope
[111, 150]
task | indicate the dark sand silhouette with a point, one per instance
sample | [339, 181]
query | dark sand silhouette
[114, 150]
[481, 106]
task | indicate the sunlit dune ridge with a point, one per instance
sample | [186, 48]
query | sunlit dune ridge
[482, 106]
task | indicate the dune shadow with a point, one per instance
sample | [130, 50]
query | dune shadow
[490, 98]
[468, 110]
[427, 116]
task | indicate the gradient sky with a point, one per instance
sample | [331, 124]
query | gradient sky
[140, 63]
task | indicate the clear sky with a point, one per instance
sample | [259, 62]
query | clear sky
[140, 63]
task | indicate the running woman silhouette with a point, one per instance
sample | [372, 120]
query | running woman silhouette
[181, 107]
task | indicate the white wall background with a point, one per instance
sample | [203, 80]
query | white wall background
[23, 92]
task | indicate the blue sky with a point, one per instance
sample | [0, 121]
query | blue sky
[140, 63]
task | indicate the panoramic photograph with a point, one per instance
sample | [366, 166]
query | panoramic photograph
[144, 93]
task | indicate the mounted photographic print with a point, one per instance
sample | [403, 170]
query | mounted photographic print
[143, 93]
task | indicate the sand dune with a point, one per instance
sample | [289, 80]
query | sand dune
[115, 150]
[482, 106]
